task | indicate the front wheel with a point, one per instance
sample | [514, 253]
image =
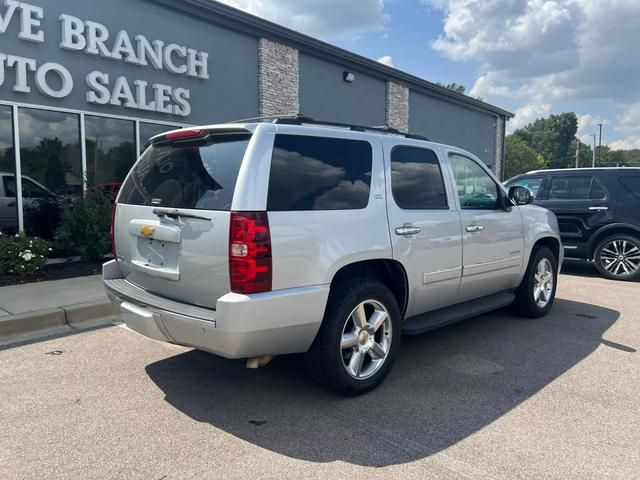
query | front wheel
[618, 257]
[357, 343]
[536, 293]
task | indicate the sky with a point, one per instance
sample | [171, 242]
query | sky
[531, 57]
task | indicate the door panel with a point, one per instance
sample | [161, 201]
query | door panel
[581, 205]
[424, 229]
[492, 238]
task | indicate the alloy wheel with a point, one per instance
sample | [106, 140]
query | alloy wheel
[366, 339]
[620, 257]
[543, 283]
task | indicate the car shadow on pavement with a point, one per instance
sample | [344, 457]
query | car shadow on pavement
[445, 386]
[580, 268]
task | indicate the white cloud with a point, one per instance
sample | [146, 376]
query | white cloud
[387, 60]
[588, 125]
[628, 122]
[527, 114]
[487, 86]
[628, 143]
[546, 52]
[320, 18]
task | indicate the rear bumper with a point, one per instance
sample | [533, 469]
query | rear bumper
[270, 323]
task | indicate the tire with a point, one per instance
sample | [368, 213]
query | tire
[359, 366]
[618, 257]
[533, 298]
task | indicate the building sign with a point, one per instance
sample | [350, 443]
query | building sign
[87, 37]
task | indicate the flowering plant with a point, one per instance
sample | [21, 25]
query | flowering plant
[21, 255]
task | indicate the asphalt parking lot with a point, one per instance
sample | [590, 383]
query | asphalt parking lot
[497, 397]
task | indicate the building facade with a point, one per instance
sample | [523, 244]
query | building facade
[83, 85]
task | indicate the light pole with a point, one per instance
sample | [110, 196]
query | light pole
[600, 142]
[593, 158]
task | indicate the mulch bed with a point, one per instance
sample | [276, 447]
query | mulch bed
[57, 271]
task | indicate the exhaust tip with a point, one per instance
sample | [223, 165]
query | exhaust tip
[257, 362]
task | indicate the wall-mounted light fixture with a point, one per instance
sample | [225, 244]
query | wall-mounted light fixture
[348, 76]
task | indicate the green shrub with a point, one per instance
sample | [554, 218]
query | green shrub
[21, 255]
[85, 229]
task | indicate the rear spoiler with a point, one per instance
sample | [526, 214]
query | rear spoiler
[197, 133]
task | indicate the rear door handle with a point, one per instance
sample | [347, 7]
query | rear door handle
[599, 208]
[474, 228]
[407, 230]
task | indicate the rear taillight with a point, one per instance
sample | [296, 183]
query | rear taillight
[250, 252]
[113, 230]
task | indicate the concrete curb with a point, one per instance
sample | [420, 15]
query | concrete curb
[81, 315]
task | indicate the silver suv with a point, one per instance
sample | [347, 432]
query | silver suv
[250, 240]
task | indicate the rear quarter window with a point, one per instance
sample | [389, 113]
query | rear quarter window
[632, 184]
[198, 175]
[319, 173]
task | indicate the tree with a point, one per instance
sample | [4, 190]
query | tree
[553, 138]
[454, 87]
[520, 157]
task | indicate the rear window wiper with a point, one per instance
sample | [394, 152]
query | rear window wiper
[176, 213]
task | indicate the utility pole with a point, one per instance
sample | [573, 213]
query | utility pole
[600, 142]
[577, 152]
[593, 160]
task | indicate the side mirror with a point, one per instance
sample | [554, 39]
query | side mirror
[520, 195]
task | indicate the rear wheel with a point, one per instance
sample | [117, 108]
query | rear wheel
[357, 343]
[618, 257]
[536, 293]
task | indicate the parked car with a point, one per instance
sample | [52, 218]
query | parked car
[258, 239]
[598, 211]
[33, 193]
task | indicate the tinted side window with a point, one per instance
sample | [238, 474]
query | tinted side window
[31, 190]
[9, 186]
[597, 192]
[318, 173]
[632, 184]
[575, 188]
[476, 189]
[416, 179]
[532, 183]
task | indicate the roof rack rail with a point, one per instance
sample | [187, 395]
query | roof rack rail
[300, 119]
[266, 117]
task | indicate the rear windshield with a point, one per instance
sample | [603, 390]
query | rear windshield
[200, 175]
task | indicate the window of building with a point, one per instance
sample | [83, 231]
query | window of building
[575, 188]
[532, 183]
[318, 173]
[110, 149]
[148, 130]
[8, 204]
[416, 179]
[51, 162]
[476, 189]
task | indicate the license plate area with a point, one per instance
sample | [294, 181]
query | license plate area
[158, 258]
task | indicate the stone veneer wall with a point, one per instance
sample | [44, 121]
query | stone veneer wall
[397, 113]
[279, 78]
